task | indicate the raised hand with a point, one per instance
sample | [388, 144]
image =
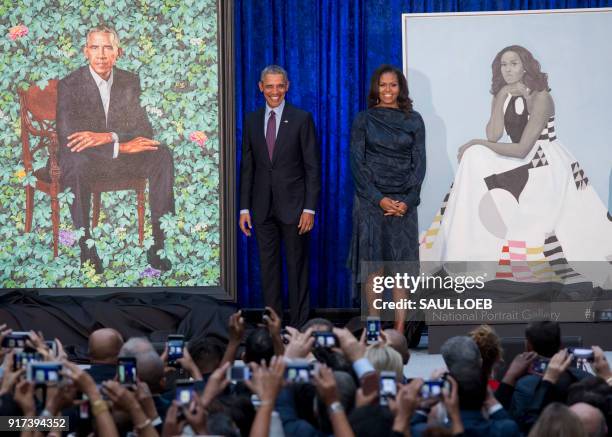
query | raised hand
[300, 343]
[189, 365]
[10, 376]
[266, 382]
[352, 348]
[215, 385]
[24, 396]
[196, 415]
[236, 327]
[557, 365]
[601, 365]
[518, 367]
[325, 382]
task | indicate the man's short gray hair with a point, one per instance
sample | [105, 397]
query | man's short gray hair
[103, 29]
[274, 69]
[135, 346]
[460, 350]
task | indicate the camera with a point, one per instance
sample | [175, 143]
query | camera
[388, 387]
[176, 343]
[185, 391]
[433, 388]
[325, 339]
[372, 330]
[126, 370]
[44, 372]
[238, 372]
[298, 371]
[16, 339]
[21, 359]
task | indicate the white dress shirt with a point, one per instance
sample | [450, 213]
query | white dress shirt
[104, 88]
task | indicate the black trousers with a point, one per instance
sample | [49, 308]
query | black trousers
[80, 169]
[269, 235]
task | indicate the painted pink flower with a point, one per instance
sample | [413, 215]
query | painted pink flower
[198, 137]
[17, 32]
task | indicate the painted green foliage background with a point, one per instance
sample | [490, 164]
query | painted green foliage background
[172, 45]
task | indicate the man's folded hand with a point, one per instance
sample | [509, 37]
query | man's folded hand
[80, 141]
[137, 145]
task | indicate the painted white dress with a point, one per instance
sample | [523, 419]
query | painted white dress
[534, 219]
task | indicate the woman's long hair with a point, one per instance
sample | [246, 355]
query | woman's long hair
[403, 100]
[533, 78]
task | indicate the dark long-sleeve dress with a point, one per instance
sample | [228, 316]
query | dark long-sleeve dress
[387, 160]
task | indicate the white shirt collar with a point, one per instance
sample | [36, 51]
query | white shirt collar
[99, 80]
[278, 111]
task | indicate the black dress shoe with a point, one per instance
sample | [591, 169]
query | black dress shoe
[91, 255]
[156, 261]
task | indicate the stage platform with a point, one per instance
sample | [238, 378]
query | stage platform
[155, 315]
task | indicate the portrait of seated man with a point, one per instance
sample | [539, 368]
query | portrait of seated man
[105, 134]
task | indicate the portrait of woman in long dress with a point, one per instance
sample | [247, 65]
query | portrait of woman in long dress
[519, 197]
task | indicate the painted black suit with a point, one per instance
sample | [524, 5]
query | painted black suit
[79, 108]
[276, 192]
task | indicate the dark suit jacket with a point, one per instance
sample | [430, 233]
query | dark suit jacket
[291, 181]
[79, 108]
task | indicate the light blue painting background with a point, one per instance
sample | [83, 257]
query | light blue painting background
[448, 61]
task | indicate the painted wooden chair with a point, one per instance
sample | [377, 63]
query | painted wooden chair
[38, 134]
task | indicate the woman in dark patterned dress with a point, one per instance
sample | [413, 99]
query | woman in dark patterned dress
[388, 166]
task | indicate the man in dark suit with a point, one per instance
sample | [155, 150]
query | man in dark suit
[280, 181]
[104, 133]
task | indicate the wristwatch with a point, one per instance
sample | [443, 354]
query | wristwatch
[335, 407]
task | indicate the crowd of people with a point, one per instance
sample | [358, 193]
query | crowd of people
[296, 385]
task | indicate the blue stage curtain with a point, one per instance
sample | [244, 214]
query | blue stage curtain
[329, 48]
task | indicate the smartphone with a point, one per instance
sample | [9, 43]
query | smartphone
[44, 372]
[253, 317]
[539, 365]
[433, 388]
[326, 339]
[176, 343]
[16, 339]
[238, 372]
[52, 345]
[581, 354]
[298, 371]
[21, 359]
[387, 387]
[126, 370]
[372, 330]
[185, 391]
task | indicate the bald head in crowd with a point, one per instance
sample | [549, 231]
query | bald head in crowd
[592, 419]
[104, 346]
